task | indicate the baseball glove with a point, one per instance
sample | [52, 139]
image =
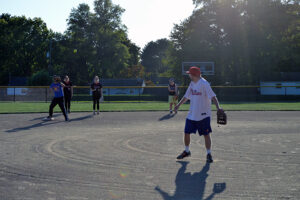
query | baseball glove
[221, 117]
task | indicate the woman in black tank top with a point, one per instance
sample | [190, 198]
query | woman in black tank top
[173, 94]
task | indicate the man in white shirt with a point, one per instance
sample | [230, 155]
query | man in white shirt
[200, 95]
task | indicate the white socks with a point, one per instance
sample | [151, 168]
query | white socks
[187, 149]
[208, 151]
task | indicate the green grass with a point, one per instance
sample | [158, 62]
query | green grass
[32, 107]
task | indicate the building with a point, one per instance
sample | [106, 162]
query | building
[277, 88]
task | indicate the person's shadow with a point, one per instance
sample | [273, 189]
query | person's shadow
[45, 123]
[37, 125]
[166, 117]
[191, 186]
[82, 118]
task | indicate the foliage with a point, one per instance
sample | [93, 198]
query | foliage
[40, 78]
[95, 43]
[247, 39]
[134, 71]
[23, 46]
[154, 55]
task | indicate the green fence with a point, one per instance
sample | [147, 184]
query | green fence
[152, 93]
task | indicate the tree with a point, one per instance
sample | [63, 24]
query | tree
[101, 41]
[95, 43]
[249, 40]
[154, 55]
[23, 46]
[40, 78]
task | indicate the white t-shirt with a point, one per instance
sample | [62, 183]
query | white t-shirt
[200, 95]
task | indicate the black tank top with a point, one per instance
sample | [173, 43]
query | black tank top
[172, 87]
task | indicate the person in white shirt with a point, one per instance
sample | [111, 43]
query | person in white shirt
[200, 95]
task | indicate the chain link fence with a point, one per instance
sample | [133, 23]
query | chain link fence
[149, 94]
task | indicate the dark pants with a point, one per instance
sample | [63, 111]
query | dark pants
[60, 102]
[96, 100]
[68, 102]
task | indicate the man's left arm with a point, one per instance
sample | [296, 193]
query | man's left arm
[216, 102]
[210, 93]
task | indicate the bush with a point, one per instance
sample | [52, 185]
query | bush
[40, 78]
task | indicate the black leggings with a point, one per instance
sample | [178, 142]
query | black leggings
[68, 102]
[96, 101]
[60, 102]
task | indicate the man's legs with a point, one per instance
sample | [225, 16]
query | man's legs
[187, 141]
[207, 142]
[186, 152]
[208, 148]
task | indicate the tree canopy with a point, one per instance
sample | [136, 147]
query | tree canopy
[249, 41]
[95, 42]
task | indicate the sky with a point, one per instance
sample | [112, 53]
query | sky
[146, 20]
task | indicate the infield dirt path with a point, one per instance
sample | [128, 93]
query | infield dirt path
[132, 156]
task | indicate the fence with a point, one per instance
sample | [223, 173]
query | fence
[151, 93]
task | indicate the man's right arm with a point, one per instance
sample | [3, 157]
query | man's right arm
[184, 99]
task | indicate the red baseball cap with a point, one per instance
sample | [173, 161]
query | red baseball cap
[195, 71]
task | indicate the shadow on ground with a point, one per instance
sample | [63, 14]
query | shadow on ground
[191, 186]
[82, 118]
[45, 123]
[166, 117]
[40, 124]
[41, 118]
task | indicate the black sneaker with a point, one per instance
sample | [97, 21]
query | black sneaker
[209, 158]
[171, 112]
[183, 155]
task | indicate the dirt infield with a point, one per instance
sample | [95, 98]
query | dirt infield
[132, 156]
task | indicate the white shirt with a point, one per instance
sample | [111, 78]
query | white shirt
[200, 95]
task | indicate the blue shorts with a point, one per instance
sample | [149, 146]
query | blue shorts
[203, 127]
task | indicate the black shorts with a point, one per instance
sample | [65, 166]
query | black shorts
[203, 127]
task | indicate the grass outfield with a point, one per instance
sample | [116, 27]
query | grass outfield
[30, 107]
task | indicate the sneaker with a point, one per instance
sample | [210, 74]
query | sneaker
[209, 158]
[69, 111]
[183, 155]
[171, 111]
[98, 112]
[49, 118]
[94, 112]
[67, 119]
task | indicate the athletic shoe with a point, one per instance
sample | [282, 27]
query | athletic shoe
[171, 111]
[49, 118]
[209, 158]
[67, 119]
[183, 155]
[69, 111]
[94, 112]
[98, 112]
